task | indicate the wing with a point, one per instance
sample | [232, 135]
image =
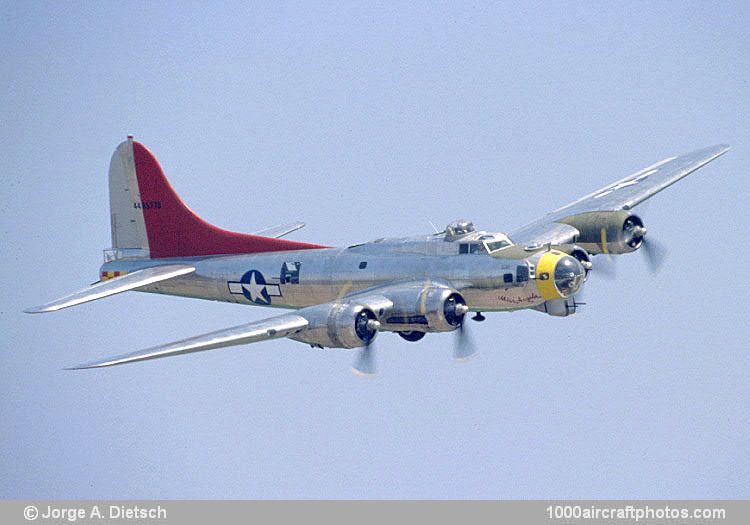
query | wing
[280, 230]
[114, 286]
[326, 325]
[265, 330]
[623, 194]
[294, 325]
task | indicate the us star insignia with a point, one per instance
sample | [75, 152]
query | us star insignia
[255, 288]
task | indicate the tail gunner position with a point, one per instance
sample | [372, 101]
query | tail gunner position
[342, 297]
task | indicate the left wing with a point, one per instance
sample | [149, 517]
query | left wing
[304, 325]
[623, 194]
[267, 329]
[352, 321]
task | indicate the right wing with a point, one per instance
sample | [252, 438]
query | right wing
[129, 281]
[623, 194]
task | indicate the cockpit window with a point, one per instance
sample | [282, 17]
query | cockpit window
[493, 246]
[497, 242]
[470, 247]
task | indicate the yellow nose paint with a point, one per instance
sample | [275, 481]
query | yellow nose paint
[546, 265]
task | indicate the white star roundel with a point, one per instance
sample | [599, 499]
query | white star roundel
[255, 288]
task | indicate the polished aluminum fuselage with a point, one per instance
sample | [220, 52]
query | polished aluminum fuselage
[296, 279]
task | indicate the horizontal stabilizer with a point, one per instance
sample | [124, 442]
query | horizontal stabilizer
[279, 230]
[130, 281]
[273, 328]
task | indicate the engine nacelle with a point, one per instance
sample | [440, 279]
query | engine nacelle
[340, 326]
[613, 232]
[425, 309]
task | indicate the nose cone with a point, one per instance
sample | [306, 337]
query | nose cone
[569, 275]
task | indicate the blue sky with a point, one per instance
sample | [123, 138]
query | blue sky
[367, 122]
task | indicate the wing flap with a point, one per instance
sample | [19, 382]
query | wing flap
[267, 329]
[130, 281]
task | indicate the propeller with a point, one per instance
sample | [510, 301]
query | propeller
[364, 364]
[367, 328]
[455, 313]
[463, 345]
[655, 253]
[606, 266]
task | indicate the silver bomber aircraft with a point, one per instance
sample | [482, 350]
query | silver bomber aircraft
[342, 297]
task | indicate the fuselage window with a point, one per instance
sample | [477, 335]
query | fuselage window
[463, 248]
[363, 265]
[508, 278]
[522, 274]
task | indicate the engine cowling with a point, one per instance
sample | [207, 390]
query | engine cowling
[612, 232]
[340, 326]
[411, 308]
[425, 309]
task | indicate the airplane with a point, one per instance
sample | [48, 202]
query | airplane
[343, 297]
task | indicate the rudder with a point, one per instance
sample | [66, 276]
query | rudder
[127, 222]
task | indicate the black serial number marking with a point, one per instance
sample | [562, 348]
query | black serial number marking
[147, 205]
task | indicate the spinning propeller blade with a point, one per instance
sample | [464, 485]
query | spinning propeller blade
[606, 267]
[655, 253]
[364, 364]
[463, 345]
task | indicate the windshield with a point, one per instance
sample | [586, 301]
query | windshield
[496, 241]
[493, 246]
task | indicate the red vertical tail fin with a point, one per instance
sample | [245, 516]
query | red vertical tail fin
[148, 215]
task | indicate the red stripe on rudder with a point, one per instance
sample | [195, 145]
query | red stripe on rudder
[175, 231]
